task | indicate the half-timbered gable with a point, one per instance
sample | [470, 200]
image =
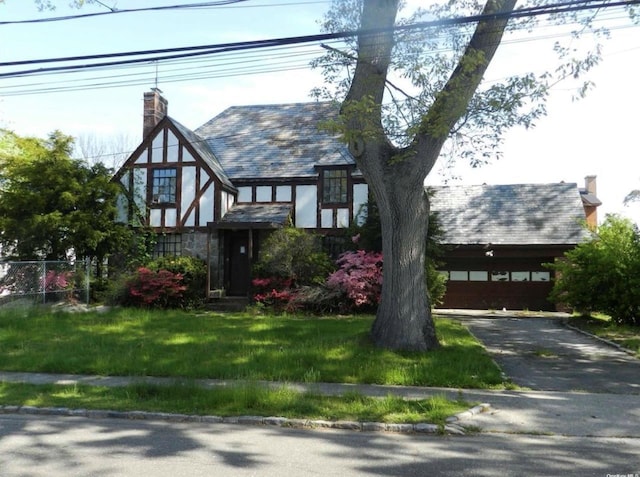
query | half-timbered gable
[174, 181]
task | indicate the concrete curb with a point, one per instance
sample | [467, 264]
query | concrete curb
[619, 347]
[452, 426]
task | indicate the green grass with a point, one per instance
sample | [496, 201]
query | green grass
[233, 401]
[133, 342]
[602, 326]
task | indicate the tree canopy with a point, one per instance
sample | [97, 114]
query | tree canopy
[412, 95]
[52, 206]
[603, 274]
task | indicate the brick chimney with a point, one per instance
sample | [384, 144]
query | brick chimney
[590, 201]
[155, 109]
[590, 184]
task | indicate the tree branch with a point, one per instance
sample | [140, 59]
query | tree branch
[452, 102]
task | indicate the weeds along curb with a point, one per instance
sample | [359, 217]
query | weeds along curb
[619, 347]
[452, 426]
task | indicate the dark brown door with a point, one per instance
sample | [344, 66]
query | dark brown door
[239, 264]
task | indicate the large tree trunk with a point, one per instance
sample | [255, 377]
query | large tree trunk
[403, 320]
[396, 176]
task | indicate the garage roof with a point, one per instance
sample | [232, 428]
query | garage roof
[513, 214]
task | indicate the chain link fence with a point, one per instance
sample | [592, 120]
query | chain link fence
[44, 282]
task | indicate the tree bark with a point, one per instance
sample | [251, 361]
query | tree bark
[396, 176]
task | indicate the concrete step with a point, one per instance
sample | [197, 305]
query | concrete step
[227, 303]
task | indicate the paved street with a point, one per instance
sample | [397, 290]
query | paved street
[39, 446]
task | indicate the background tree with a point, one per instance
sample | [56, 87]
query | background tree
[397, 132]
[52, 206]
[603, 274]
[110, 151]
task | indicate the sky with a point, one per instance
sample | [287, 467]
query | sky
[597, 135]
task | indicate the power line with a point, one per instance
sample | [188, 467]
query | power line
[114, 11]
[220, 70]
[218, 4]
[184, 52]
[281, 61]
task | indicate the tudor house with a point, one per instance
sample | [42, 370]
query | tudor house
[216, 192]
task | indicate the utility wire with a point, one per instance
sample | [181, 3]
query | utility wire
[278, 63]
[566, 7]
[234, 66]
[218, 5]
[113, 11]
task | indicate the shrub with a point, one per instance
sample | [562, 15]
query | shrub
[368, 236]
[194, 277]
[318, 299]
[603, 274]
[359, 276]
[293, 254]
[274, 292]
[158, 289]
[289, 258]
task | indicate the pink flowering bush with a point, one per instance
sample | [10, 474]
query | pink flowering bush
[161, 288]
[359, 276]
[274, 292]
[54, 281]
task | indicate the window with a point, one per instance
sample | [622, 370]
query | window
[169, 245]
[478, 276]
[334, 186]
[540, 276]
[520, 276]
[499, 276]
[458, 276]
[163, 188]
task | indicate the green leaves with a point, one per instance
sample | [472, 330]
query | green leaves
[603, 274]
[51, 204]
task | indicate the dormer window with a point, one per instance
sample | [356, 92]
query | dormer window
[163, 189]
[334, 186]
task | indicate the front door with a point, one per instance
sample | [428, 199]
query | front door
[239, 263]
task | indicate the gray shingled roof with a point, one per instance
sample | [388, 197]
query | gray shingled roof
[257, 215]
[274, 141]
[517, 214]
[201, 146]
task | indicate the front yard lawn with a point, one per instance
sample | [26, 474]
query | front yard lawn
[133, 342]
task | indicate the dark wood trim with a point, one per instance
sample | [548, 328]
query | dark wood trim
[197, 195]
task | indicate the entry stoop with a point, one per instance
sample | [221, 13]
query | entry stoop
[227, 303]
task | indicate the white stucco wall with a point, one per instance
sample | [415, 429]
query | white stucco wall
[360, 198]
[306, 206]
[207, 205]
[244, 194]
[188, 192]
[172, 147]
[283, 194]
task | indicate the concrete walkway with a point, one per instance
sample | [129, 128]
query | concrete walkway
[580, 386]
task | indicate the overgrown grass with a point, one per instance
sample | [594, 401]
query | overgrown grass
[233, 401]
[603, 326]
[133, 342]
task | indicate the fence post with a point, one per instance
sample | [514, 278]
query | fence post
[43, 282]
[87, 279]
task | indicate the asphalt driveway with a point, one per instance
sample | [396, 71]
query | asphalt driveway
[543, 354]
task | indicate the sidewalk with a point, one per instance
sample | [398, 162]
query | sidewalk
[522, 412]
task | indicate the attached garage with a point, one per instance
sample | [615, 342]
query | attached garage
[499, 238]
